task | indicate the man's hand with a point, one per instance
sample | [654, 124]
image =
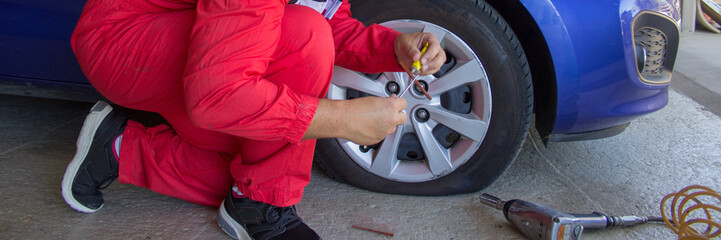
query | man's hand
[365, 121]
[407, 48]
[368, 120]
[371, 119]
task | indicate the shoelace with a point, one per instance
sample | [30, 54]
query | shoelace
[99, 184]
[287, 216]
[106, 183]
[287, 219]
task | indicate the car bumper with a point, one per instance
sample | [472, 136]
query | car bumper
[606, 88]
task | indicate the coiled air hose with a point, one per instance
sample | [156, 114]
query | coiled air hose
[691, 212]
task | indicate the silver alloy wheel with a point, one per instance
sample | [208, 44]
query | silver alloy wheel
[439, 160]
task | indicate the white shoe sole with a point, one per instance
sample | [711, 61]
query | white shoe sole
[230, 226]
[97, 114]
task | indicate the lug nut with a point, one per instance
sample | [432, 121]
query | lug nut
[392, 87]
[364, 148]
[417, 89]
[422, 115]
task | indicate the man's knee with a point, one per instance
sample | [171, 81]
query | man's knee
[308, 31]
[305, 54]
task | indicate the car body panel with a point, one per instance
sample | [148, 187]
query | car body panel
[35, 36]
[598, 87]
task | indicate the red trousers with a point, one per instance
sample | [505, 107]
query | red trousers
[238, 82]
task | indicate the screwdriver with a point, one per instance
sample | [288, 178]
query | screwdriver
[416, 71]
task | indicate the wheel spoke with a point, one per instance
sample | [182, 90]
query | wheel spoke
[440, 34]
[467, 125]
[465, 73]
[394, 76]
[385, 160]
[399, 77]
[436, 155]
[346, 78]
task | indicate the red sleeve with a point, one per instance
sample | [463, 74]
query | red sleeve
[360, 48]
[231, 45]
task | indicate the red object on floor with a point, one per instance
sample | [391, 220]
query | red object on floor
[238, 81]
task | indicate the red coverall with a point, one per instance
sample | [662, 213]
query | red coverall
[239, 82]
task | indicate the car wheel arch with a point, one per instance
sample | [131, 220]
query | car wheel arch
[552, 62]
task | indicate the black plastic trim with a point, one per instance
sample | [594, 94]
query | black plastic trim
[603, 133]
[671, 31]
[41, 88]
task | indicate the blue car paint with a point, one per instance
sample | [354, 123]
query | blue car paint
[35, 36]
[598, 86]
[589, 41]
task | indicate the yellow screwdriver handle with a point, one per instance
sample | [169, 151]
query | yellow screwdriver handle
[417, 64]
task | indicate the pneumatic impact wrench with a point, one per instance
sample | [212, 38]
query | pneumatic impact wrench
[539, 222]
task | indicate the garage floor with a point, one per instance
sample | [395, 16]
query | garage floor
[628, 174]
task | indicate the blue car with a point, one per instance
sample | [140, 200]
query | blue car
[584, 69]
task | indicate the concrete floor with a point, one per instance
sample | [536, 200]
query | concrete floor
[628, 174]
[697, 72]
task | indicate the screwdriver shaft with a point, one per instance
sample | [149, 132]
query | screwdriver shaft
[409, 86]
[416, 71]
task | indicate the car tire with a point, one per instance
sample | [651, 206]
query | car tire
[510, 103]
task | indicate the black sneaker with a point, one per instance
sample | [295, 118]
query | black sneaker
[245, 219]
[94, 164]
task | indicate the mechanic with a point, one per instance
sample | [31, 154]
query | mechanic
[241, 84]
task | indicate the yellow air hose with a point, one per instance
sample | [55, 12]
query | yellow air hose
[691, 212]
